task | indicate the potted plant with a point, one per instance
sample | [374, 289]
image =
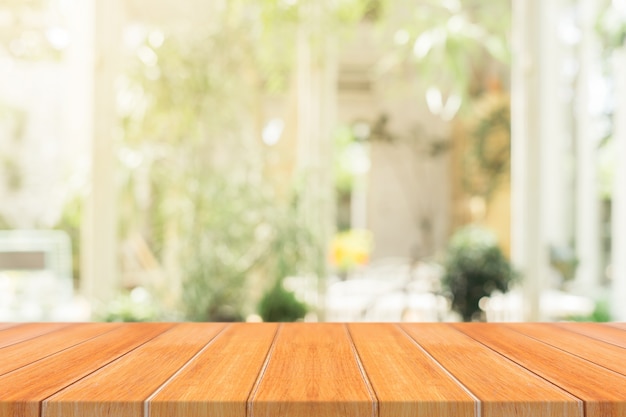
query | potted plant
[474, 267]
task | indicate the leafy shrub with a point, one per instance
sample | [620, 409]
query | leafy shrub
[278, 305]
[475, 267]
[131, 306]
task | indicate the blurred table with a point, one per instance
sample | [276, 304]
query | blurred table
[312, 370]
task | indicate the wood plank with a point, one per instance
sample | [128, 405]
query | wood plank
[120, 388]
[312, 371]
[504, 388]
[25, 388]
[7, 325]
[16, 334]
[218, 381]
[406, 380]
[28, 351]
[605, 332]
[603, 391]
[601, 353]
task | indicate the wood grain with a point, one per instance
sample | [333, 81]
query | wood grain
[120, 388]
[312, 371]
[504, 388]
[16, 334]
[25, 388]
[20, 354]
[603, 391]
[407, 382]
[605, 332]
[601, 353]
[218, 381]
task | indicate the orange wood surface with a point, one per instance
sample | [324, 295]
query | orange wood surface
[7, 325]
[16, 334]
[604, 354]
[507, 389]
[217, 382]
[612, 333]
[602, 390]
[24, 389]
[130, 380]
[406, 380]
[20, 354]
[312, 370]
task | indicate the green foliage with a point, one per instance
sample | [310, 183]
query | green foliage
[611, 26]
[70, 223]
[475, 267]
[344, 177]
[194, 185]
[601, 313]
[487, 163]
[280, 305]
[131, 306]
[450, 42]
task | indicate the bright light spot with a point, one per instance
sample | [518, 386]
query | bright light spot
[254, 318]
[401, 37]
[423, 44]
[434, 100]
[130, 158]
[156, 38]
[568, 31]
[451, 108]
[139, 295]
[453, 6]
[134, 35]
[147, 56]
[359, 160]
[272, 132]
[456, 23]
[59, 38]
[599, 95]
[619, 6]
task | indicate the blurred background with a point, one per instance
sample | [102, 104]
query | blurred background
[316, 160]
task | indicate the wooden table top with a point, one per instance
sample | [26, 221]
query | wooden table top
[312, 370]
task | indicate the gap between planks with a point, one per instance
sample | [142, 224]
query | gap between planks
[366, 380]
[477, 402]
[146, 403]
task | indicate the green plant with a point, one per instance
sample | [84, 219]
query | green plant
[601, 313]
[475, 267]
[131, 306]
[279, 305]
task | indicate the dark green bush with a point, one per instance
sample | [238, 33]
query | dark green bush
[475, 267]
[278, 305]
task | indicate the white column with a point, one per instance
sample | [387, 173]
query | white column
[587, 201]
[532, 103]
[99, 266]
[317, 80]
[618, 255]
[555, 139]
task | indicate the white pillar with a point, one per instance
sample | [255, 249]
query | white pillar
[533, 103]
[99, 242]
[587, 201]
[317, 81]
[618, 255]
[555, 138]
